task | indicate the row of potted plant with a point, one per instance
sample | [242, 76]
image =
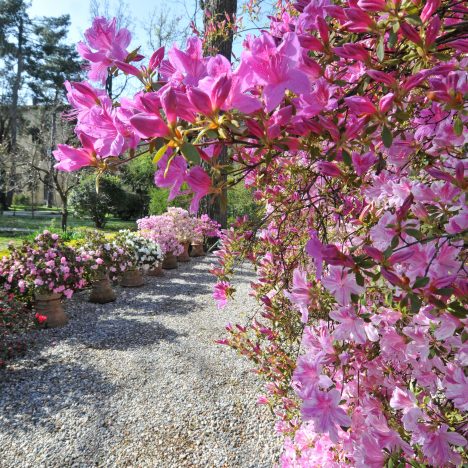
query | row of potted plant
[40, 273]
[175, 231]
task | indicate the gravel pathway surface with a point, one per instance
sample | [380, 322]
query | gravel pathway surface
[138, 383]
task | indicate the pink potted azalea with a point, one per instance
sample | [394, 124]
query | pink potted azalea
[203, 227]
[184, 226]
[162, 230]
[106, 262]
[41, 273]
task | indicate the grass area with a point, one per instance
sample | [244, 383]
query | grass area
[54, 209]
[52, 223]
[39, 223]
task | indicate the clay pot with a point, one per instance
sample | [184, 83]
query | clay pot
[184, 256]
[156, 271]
[197, 250]
[102, 291]
[170, 261]
[132, 278]
[50, 306]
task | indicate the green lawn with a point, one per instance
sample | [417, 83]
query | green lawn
[52, 223]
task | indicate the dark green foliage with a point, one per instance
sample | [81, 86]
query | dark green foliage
[132, 208]
[240, 203]
[111, 198]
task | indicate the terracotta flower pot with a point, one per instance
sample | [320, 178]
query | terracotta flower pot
[184, 256]
[197, 250]
[102, 291]
[51, 307]
[170, 261]
[156, 271]
[132, 278]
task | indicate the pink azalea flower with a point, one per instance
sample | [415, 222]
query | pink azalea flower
[274, 68]
[351, 326]
[71, 159]
[200, 184]
[175, 175]
[324, 410]
[437, 448]
[308, 373]
[405, 400]
[104, 44]
[314, 249]
[300, 293]
[456, 383]
[341, 284]
[220, 293]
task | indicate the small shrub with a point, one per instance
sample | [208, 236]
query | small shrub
[86, 201]
[21, 199]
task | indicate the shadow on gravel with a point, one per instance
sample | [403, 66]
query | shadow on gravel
[118, 333]
[29, 396]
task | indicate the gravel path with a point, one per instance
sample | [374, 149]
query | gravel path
[138, 382]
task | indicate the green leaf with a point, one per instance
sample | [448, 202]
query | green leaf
[159, 154]
[414, 233]
[458, 126]
[381, 49]
[457, 309]
[416, 303]
[190, 152]
[445, 291]
[395, 242]
[421, 282]
[387, 137]
[347, 158]
[359, 279]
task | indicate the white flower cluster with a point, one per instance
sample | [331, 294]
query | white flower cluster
[144, 251]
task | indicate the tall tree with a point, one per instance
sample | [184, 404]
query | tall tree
[215, 12]
[14, 47]
[52, 62]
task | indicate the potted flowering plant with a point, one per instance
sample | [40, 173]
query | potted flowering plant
[203, 227]
[162, 230]
[184, 229]
[41, 272]
[105, 261]
[143, 252]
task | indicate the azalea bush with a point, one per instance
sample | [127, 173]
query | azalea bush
[204, 227]
[43, 266]
[103, 257]
[141, 252]
[162, 230]
[348, 121]
[183, 222]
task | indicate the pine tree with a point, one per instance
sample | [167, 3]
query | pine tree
[15, 27]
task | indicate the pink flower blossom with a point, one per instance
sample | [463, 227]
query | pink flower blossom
[341, 284]
[324, 410]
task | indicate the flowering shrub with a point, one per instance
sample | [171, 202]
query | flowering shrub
[183, 222]
[14, 319]
[103, 257]
[141, 251]
[205, 227]
[348, 120]
[161, 229]
[43, 266]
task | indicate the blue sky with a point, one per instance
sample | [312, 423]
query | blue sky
[79, 11]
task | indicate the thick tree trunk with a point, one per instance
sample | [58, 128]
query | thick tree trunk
[215, 11]
[51, 178]
[14, 114]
